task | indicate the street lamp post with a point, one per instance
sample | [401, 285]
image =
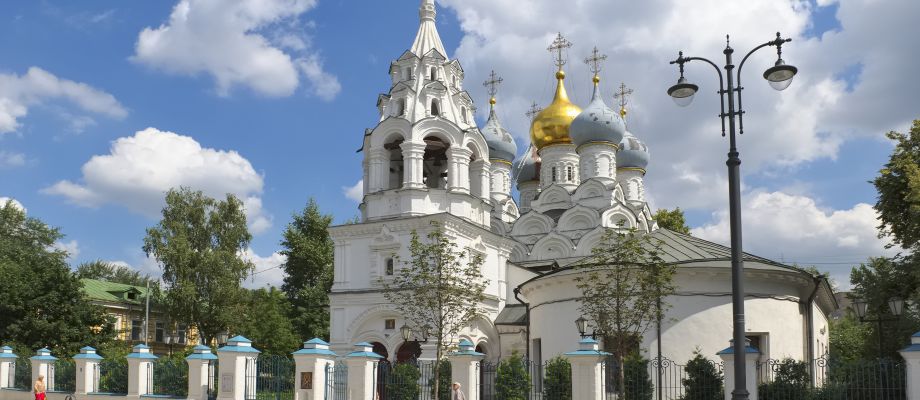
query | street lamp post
[779, 76]
[895, 305]
[582, 325]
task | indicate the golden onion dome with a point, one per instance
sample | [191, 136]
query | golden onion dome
[551, 126]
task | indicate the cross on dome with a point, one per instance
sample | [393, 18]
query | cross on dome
[622, 95]
[595, 61]
[534, 110]
[560, 44]
[492, 84]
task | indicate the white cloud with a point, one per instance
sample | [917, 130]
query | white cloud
[10, 159]
[17, 204]
[240, 42]
[794, 229]
[355, 192]
[20, 92]
[72, 248]
[140, 169]
[268, 271]
[808, 121]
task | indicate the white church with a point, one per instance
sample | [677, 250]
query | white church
[426, 160]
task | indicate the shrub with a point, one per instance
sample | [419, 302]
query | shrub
[558, 382]
[402, 384]
[703, 381]
[790, 380]
[512, 380]
[444, 380]
[638, 385]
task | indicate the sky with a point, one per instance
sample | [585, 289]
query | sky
[105, 105]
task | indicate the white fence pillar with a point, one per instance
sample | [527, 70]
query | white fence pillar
[362, 372]
[7, 366]
[587, 370]
[140, 371]
[463, 369]
[238, 367]
[911, 356]
[310, 369]
[750, 360]
[43, 365]
[86, 364]
[200, 373]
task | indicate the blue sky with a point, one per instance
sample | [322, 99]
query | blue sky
[299, 138]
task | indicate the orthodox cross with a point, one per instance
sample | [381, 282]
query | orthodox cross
[492, 83]
[622, 96]
[595, 61]
[534, 110]
[558, 47]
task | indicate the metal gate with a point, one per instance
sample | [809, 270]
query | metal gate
[212, 379]
[275, 378]
[336, 381]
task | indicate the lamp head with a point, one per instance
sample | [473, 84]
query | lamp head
[682, 93]
[406, 332]
[860, 305]
[582, 324]
[780, 75]
[896, 305]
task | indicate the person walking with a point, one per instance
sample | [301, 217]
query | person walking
[39, 388]
[456, 393]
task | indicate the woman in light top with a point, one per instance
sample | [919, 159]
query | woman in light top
[39, 388]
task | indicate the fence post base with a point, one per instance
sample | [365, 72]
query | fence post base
[199, 376]
[140, 371]
[7, 366]
[310, 369]
[362, 372]
[911, 356]
[750, 359]
[234, 359]
[42, 363]
[86, 364]
[587, 370]
[463, 369]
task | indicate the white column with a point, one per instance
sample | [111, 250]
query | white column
[42, 365]
[140, 371]
[587, 370]
[458, 177]
[480, 178]
[86, 364]
[378, 173]
[7, 365]
[413, 154]
[631, 180]
[362, 372]
[500, 180]
[750, 360]
[911, 355]
[234, 359]
[310, 370]
[199, 372]
[463, 369]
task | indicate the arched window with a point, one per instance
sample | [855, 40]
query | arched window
[400, 107]
[463, 114]
[554, 174]
[388, 268]
[395, 165]
[435, 107]
[434, 73]
[569, 173]
[435, 163]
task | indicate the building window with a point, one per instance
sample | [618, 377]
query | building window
[435, 108]
[554, 174]
[389, 324]
[182, 334]
[137, 329]
[463, 114]
[434, 73]
[160, 332]
[569, 173]
[388, 267]
[132, 296]
[407, 73]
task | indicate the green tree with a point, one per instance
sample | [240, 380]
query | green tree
[623, 288]
[438, 290]
[111, 272]
[402, 382]
[848, 340]
[558, 382]
[41, 301]
[876, 282]
[672, 219]
[198, 244]
[703, 380]
[898, 186]
[265, 321]
[308, 271]
[791, 379]
[512, 379]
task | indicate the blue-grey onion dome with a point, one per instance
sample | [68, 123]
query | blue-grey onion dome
[597, 123]
[633, 153]
[529, 169]
[501, 144]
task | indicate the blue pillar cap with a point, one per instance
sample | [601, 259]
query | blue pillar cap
[7, 352]
[364, 349]
[914, 344]
[315, 346]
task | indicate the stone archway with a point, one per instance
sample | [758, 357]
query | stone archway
[409, 351]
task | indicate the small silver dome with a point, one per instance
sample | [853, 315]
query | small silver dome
[529, 169]
[597, 123]
[501, 143]
[633, 153]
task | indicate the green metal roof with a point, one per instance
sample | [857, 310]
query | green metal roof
[682, 248]
[112, 292]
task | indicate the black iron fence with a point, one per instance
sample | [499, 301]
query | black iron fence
[63, 376]
[22, 376]
[275, 378]
[827, 379]
[169, 377]
[112, 376]
[336, 381]
[212, 379]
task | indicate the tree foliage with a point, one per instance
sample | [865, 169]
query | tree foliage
[672, 219]
[876, 282]
[198, 243]
[558, 382]
[638, 383]
[849, 340]
[308, 271]
[402, 383]
[703, 380]
[265, 321]
[512, 379]
[898, 186]
[41, 300]
[438, 290]
[791, 379]
[111, 272]
[623, 285]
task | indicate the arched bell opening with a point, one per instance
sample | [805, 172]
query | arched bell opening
[435, 163]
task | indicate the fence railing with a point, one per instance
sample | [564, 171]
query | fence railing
[170, 377]
[825, 378]
[275, 378]
[336, 381]
[64, 376]
[22, 376]
[112, 376]
[213, 370]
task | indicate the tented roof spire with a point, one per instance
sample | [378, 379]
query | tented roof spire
[427, 37]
